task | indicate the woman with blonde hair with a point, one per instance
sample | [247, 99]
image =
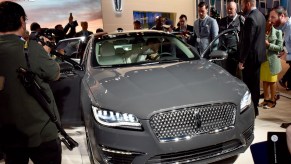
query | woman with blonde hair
[271, 67]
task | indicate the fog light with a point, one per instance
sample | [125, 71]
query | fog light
[110, 155]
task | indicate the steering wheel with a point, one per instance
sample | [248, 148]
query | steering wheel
[164, 54]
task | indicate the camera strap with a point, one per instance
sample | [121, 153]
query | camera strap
[26, 55]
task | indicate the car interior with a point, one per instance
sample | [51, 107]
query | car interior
[133, 51]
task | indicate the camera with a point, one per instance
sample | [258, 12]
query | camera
[47, 32]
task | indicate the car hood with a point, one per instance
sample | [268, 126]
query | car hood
[144, 90]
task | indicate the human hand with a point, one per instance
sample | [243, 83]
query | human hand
[282, 55]
[241, 66]
[47, 49]
[267, 43]
[154, 56]
[45, 39]
[61, 51]
[43, 43]
[71, 19]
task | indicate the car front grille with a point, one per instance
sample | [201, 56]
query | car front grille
[187, 122]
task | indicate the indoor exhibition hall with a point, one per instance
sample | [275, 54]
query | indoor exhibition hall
[145, 82]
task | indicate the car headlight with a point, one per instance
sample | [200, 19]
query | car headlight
[245, 101]
[116, 119]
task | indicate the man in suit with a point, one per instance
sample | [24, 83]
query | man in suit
[253, 49]
[205, 28]
[159, 23]
[183, 26]
[84, 31]
[230, 42]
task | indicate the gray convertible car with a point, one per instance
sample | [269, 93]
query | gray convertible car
[148, 97]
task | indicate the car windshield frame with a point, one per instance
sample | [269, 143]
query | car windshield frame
[125, 49]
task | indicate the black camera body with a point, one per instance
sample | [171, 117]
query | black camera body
[47, 32]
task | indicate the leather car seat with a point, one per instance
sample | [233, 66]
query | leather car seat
[108, 56]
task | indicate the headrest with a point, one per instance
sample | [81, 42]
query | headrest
[107, 49]
[120, 51]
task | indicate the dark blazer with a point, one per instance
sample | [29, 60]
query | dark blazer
[252, 46]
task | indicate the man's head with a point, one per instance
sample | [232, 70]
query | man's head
[278, 16]
[99, 30]
[84, 26]
[35, 27]
[202, 10]
[136, 25]
[59, 27]
[183, 20]
[159, 22]
[247, 5]
[153, 43]
[12, 18]
[231, 8]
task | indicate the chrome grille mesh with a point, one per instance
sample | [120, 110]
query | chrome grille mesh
[186, 122]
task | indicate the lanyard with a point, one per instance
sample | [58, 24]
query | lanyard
[228, 24]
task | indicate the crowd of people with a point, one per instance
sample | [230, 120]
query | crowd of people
[59, 32]
[253, 59]
[252, 53]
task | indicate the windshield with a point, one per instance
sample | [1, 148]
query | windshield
[141, 50]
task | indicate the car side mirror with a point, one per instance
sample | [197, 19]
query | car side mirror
[218, 55]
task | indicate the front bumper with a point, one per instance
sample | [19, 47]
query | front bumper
[110, 145]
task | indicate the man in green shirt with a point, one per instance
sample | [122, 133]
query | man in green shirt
[26, 131]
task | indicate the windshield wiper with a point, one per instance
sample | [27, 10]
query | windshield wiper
[113, 66]
[170, 60]
[150, 63]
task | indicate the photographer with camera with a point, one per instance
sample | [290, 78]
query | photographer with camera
[27, 132]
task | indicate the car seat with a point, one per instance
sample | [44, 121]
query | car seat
[108, 56]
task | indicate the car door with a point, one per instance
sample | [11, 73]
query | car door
[67, 89]
[220, 43]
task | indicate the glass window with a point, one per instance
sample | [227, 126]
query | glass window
[140, 50]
